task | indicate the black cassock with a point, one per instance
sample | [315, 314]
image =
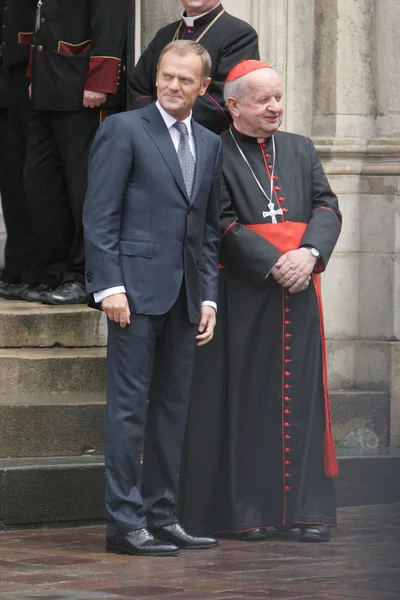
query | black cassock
[228, 41]
[258, 450]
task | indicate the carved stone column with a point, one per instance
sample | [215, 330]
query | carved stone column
[344, 85]
[386, 68]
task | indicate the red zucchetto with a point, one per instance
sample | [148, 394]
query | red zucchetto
[246, 66]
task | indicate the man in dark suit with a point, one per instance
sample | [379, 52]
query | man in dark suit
[151, 221]
[227, 39]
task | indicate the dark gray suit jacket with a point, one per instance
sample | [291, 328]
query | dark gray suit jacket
[141, 229]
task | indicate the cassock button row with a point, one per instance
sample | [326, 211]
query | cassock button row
[287, 450]
[288, 488]
[277, 188]
[288, 360]
[287, 424]
[287, 398]
[281, 198]
[288, 297]
[274, 177]
[288, 462]
[287, 386]
[288, 412]
[288, 335]
[266, 154]
[287, 348]
[287, 475]
[285, 210]
[288, 322]
[288, 310]
[288, 437]
[270, 166]
[288, 373]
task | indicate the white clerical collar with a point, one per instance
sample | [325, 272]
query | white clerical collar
[169, 120]
[259, 140]
[189, 21]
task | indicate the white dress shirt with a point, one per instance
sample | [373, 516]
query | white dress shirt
[169, 121]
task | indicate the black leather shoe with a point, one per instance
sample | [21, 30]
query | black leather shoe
[32, 293]
[314, 533]
[10, 291]
[139, 541]
[254, 535]
[71, 292]
[177, 535]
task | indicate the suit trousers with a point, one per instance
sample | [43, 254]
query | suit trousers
[152, 359]
[56, 173]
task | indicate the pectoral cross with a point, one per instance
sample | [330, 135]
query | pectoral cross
[272, 212]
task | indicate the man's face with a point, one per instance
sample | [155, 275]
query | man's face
[179, 82]
[259, 111]
[198, 7]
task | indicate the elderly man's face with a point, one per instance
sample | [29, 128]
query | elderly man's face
[198, 7]
[259, 110]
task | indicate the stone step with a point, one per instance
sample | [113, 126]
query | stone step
[360, 418]
[368, 476]
[51, 425]
[65, 424]
[28, 324]
[51, 490]
[71, 489]
[42, 371]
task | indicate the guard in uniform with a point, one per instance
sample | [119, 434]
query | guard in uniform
[228, 41]
[5, 186]
[76, 82]
[19, 275]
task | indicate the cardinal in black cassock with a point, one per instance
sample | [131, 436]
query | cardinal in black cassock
[259, 450]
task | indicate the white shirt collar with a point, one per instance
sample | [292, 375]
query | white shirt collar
[169, 120]
[189, 21]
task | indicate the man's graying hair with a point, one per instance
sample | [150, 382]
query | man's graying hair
[185, 47]
[234, 89]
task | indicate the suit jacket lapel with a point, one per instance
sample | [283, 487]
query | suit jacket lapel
[200, 159]
[159, 133]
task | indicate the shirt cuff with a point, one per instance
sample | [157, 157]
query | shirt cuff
[210, 303]
[99, 296]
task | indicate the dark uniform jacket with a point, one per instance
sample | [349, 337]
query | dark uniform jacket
[17, 31]
[79, 46]
[229, 40]
[3, 86]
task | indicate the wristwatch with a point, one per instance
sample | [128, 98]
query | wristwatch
[316, 253]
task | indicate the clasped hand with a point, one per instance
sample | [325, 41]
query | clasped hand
[293, 270]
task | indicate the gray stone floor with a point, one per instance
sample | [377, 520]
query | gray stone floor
[362, 562]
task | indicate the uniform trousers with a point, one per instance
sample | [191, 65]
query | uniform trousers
[21, 251]
[56, 172]
[10, 272]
